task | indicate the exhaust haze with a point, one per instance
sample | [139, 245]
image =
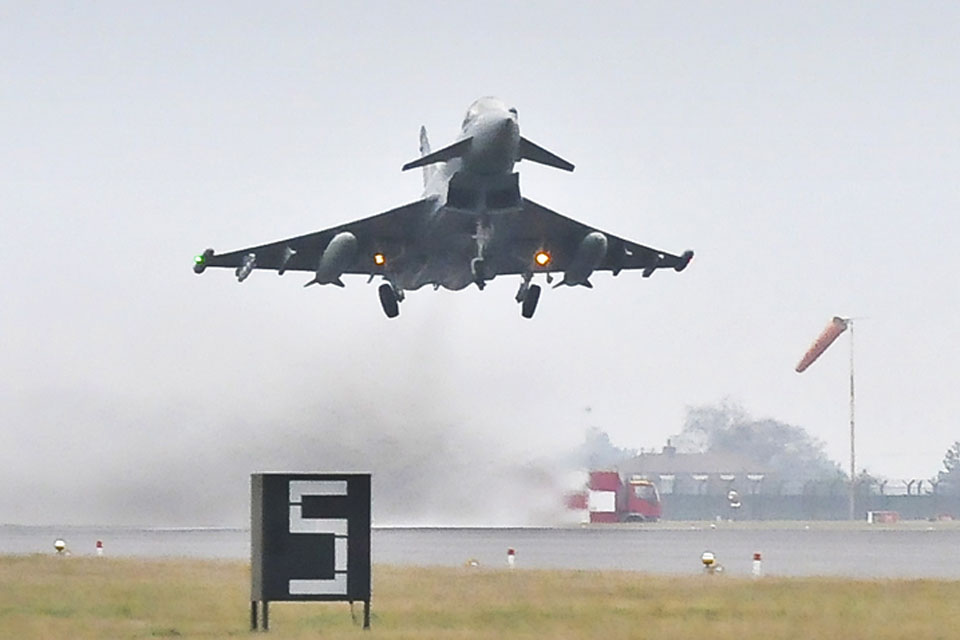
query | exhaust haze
[184, 457]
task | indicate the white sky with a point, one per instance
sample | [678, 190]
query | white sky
[808, 153]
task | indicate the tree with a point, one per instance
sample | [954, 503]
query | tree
[599, 452]
[950, 474]
[787, 449]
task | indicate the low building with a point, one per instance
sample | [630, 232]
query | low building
[713, 473]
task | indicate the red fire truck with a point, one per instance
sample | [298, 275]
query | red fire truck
[611, 498]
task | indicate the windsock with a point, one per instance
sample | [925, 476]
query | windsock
[832, 332]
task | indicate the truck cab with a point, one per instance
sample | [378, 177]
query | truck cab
[641, 501]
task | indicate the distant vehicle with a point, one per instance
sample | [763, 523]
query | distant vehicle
[470, 226]
[643, 502]
[611, 498]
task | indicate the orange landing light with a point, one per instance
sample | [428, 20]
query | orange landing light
[542, 258]
[379, 260]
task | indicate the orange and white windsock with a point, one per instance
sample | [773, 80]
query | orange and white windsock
[832, 332]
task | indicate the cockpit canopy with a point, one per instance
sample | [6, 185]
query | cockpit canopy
[483, 105]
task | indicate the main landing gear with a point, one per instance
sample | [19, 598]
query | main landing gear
[528, 296]
[390, 299]
[529, 304]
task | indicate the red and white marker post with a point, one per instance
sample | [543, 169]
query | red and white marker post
[100, 547]
[757, 565]
[511, 557]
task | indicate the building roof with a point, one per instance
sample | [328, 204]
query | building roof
[707, 463]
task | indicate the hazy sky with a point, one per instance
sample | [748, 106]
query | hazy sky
[809, 154]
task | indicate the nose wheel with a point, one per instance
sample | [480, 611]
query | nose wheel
[389, 300]
[479, 273]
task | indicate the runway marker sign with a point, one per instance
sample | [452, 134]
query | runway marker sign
[310, 540]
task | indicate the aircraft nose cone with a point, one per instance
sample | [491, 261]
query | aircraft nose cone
[507, 127]
[495, 140]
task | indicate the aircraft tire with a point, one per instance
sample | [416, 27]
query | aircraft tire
[388, 300]
[530, 301]
[478, 267]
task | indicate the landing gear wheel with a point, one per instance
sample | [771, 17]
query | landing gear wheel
[388, 300]
[477, 268]
[530, 301]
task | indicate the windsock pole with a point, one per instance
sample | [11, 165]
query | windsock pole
[837, 326]
[853, 448]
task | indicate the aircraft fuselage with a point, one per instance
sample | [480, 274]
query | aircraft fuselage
[460, 227]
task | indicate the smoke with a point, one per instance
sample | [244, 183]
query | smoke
[185, 459]
[787, 449]
[598, 451]
[158, 412]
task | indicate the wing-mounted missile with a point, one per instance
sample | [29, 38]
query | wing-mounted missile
[662, 261]
[287, 254]
[246, 267]
[657, 263]
[590, 253]
[336, 258]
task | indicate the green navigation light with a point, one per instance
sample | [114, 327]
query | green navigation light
[199, 259]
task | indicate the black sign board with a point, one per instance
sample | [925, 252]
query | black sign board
[310, 539]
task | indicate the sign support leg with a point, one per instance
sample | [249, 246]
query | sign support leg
[253, 615]
[366, 614]
[266, 615]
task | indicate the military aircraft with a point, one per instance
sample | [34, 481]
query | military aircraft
[470, 226]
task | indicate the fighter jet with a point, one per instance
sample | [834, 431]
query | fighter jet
[470, 226]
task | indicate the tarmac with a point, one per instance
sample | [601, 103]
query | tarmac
[904, 550]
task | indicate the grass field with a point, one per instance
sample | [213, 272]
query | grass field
[50, 598]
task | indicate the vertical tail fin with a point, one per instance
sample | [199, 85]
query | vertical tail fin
[425, 150]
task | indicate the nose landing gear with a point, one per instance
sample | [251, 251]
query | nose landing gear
[479, 273]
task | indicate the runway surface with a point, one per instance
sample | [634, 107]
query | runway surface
[911, 551]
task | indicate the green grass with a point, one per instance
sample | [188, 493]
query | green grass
[48, 597]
